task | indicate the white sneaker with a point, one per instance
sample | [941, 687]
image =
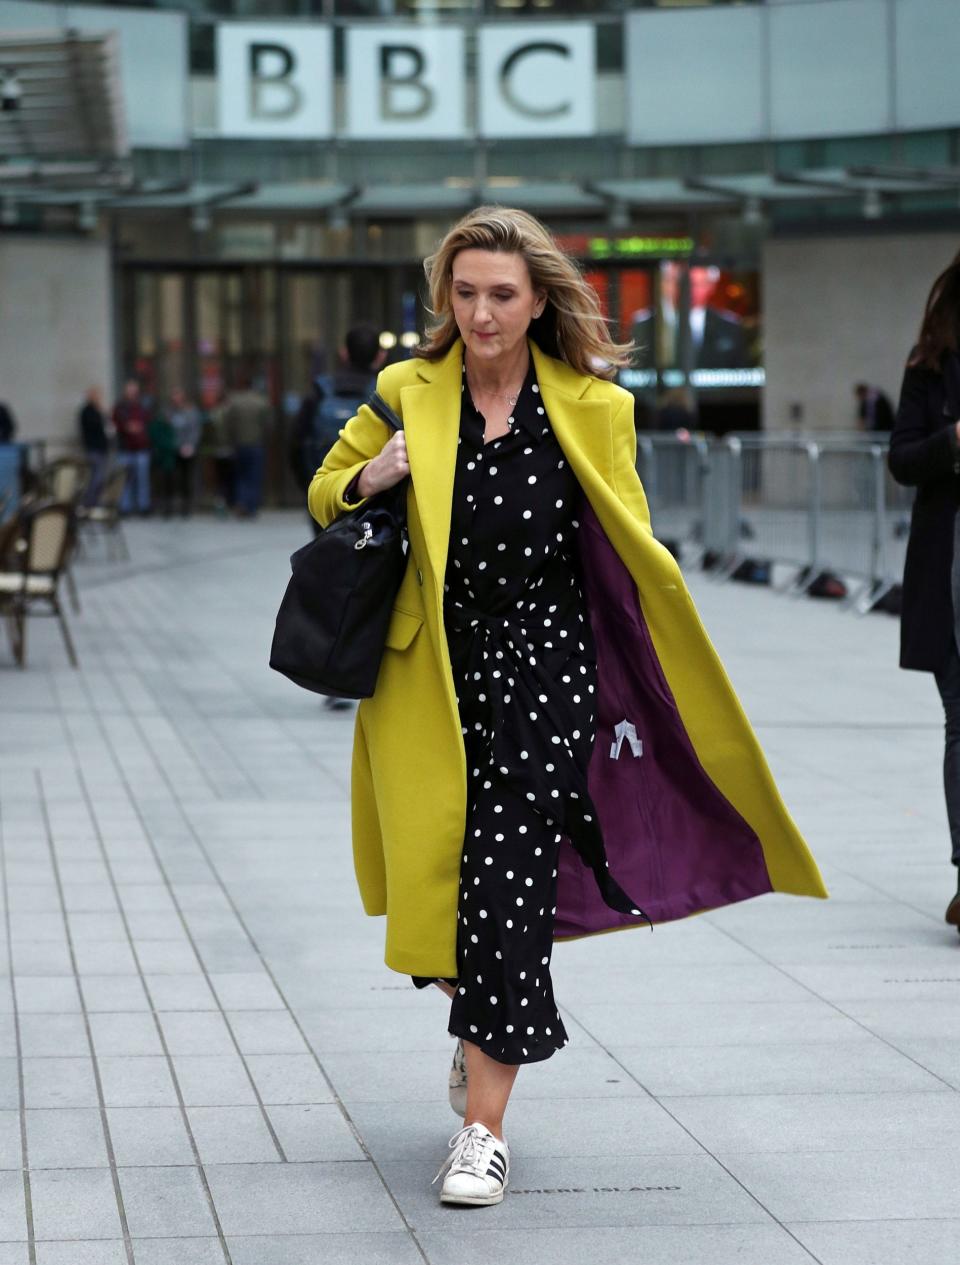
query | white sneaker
[458, 1081]
[477, 1168]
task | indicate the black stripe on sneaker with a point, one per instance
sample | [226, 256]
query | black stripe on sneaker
[497, 1167]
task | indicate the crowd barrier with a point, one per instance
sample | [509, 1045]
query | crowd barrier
[788, 509]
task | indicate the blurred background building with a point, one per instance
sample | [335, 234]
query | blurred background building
[761, 193]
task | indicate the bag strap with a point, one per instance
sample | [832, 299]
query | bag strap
[378, 405]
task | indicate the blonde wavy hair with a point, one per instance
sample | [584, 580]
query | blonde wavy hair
[571, 326]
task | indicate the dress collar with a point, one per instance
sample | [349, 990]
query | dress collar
[527, 414]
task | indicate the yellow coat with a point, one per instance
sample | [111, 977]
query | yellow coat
[409, 773]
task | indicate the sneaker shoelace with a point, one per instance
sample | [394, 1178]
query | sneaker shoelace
[469, 1150]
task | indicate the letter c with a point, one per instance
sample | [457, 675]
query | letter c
[506, 84]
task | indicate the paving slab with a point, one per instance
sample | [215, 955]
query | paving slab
[879, 1242]
[130, 1081]
[11, 1153]
[78, 1252]
[627, 1190]
[147, 1136]
[179, 1251]
[59, 1082]
[66, 1138]
[600, 1245]
[281, 1199]
[852, 1185]
[315, 1131]
[74, 1204]
[385, 1248]
[233, 1135]
[828, 1068]
[157, 1199]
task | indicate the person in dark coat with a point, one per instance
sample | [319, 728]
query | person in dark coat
[246, 418]
[925, 454]
[95, 438]
[133, 448]
[874, 410]
[8, 424]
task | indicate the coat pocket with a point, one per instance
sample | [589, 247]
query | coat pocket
[402, 629]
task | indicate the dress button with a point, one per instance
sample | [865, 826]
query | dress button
[419, 576]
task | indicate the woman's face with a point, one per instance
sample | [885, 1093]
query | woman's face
[493, 302]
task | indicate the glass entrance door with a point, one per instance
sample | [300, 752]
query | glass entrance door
[206, 328]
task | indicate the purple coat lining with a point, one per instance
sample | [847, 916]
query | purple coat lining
[673, 842]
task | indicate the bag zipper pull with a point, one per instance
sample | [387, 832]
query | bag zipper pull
[367, 536]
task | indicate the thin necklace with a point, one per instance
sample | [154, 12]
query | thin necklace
[511, 397]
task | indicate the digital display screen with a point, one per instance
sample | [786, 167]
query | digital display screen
[698, 318]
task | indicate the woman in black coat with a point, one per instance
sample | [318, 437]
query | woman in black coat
[925, 454]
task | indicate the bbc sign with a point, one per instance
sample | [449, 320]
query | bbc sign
[406, 82]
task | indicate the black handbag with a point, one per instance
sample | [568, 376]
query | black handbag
[332, 622]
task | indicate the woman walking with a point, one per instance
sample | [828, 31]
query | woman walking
[553, 748]
[925, 454]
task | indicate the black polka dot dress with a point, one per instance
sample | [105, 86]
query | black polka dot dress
[524, 668]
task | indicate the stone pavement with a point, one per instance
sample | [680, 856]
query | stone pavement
[202, 1059]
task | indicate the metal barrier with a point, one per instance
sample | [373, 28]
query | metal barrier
[808, 505]
[675, 475]
[778, 481]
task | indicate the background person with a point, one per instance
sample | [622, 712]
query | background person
[677, 410]
[529, 537]
[925, 454]
[223, 457]
[94, 436]
[326, 409]
[8, 424]
[246, 419]
[332, 401]
[874, 410]
[187, 423]
[133, 448]
[163, 456]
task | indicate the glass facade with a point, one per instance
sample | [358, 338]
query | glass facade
[210, 290]
[382, 9]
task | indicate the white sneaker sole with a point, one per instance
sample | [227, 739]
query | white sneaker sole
[474, 1201]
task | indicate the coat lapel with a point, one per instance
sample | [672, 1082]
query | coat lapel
[431, 418]
[582, 426]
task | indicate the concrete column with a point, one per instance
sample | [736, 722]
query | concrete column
[840, 310]
[55, 330]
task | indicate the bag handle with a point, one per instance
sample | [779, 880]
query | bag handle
[378, 405]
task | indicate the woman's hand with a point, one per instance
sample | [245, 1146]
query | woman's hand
[387, 469]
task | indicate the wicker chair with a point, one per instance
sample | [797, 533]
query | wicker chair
[33, 560]
[105, 514]
[65, 479]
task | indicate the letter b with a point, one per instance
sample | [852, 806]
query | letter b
[401, 71]
[273, 94]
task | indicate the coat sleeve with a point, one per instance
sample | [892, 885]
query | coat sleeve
[918, 454]
[360, 441]
[626, 480]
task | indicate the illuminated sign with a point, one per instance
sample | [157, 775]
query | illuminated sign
[701, 379]
[638, 247]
